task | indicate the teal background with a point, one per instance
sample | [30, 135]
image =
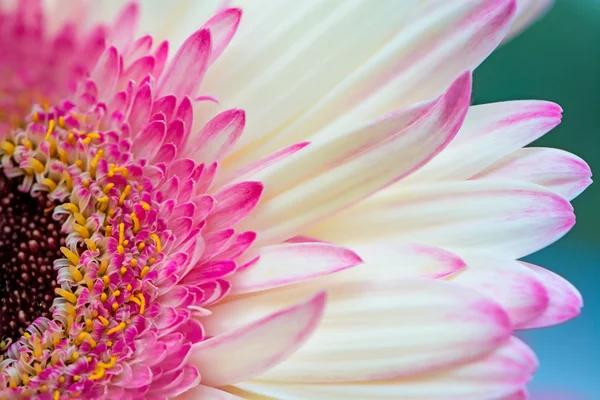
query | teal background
[558, 59]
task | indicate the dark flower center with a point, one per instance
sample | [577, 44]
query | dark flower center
[30, 241]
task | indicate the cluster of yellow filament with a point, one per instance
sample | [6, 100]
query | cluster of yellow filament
[79, 225]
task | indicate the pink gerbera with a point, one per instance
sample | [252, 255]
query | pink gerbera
[149, 250]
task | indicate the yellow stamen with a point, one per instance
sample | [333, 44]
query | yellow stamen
[144, 272]
[145, 205]
[103, 199]
[57, 394]
[103, 297]
[108, 187]
[125, 243]
[51, 126]
[141, 246]
[93, 135]
[128, 287]
[74, 258]
[106, 280]
[71, 138]
[108, 232]
[124, 194]
[110, 364]
[79, 164]
[98, 374]
[71, 207]
[12, 383]
[117, 293]
[37, 165]
[94, 162]
[79, 218]
[109, 343]
[61, 379]
[86, 336]
[68, 180]
[120, 249]
[37, 347]
[75, 273]
[111, 213]
[83, 232]
[91, 244]
[89, 324]
[156, 239]
[27, 143]
[123, 170]
[136, 223]
[114, 306]
[76, 378]
[151, 261]
[117, 328]
[121, 232]
[87, 141]
[143, 301]
[123, 270]
[62, 155]
[103, 320]
[86, 182]
[103, 266]
[43, 388]
[36, 117]
[61, 122]
[134, 262]
[75, 356]
[50, 183]
[8, 148]
[70, 297]
[136, 301]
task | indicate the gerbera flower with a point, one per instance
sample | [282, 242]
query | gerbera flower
[356, 238]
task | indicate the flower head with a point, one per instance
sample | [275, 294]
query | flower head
[156, 252]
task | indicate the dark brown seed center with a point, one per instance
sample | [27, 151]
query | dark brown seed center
[30, 241]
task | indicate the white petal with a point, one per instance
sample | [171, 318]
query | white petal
[433, 44]
[528, 11]
[378, 328]
[490, 378]
[565, 300]
[366, 161]
[253, 349]
[490, 132]
[508, 218]
[519, 290]
[561, 172]
[285, 264]
[208, 393]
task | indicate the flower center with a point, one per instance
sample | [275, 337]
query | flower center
[30, 241]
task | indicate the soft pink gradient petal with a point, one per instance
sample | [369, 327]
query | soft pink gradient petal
[286, 264]
[233, 203]
[369, 159]
[490, 132]
[562, 172]
[188, 66]
[493, 377]
[222, 29]
[253, 349]
[509, 218]
[217, 137]
[202, 392]
[565, 300]
[514, 286]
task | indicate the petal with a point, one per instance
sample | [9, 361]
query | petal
[561, 172]
[148, 142]
[285, 264]
[515, 287]
[528, 11]
[404, 259]
[489, 378]
[565, 301]
[233, 203]
[206, 392]
[378, 328]
[357, 164]
[253, 349]
[509, 218]
[490, 132]
[217, 137]
[222, 28]
[187, 68]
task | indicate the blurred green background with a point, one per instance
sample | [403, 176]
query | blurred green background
[558, 59]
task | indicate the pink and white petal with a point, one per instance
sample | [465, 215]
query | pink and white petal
[489, 378]
[149, 141]
[366, 161]
[490, 133]
[416, 60]
[123, 30]
[407, 326]
[233, 203]
[187, 68]
[512, 285]
[504, 217]
[561, 172]
[253, 349]
[286, 264]
[528, 11]
[565, 300]
[408, 260]
[222, 29]
[217, 137]
[208, 393]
